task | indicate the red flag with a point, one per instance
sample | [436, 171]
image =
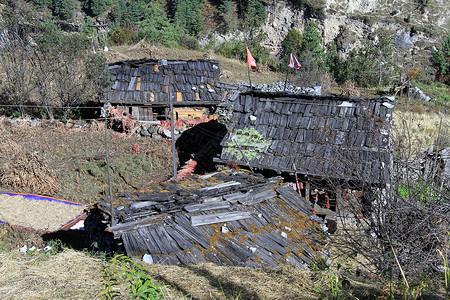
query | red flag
[250, 60]
[293, 62]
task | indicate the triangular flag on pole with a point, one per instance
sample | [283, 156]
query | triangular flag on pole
[294, 63]
[250, 60]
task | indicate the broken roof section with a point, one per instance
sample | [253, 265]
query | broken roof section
[229, 218]
[148, 82]
[326, 136]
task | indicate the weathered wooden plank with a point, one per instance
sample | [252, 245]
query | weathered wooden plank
[122, 227]
[193, 235]
[182, 242]
[130, 244]
[266, 216]
[229, 255]
[253, 198]
[184, 259]
[148, 240]
[219, 218]
[142, 204]
[292, 259]
[158, 241]
[220, 185]
[196, 253]
[207, 206]
[277, 238]
[240, 251]
[169, 243]
[269, 244]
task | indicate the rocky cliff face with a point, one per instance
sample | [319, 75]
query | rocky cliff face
[415, 27]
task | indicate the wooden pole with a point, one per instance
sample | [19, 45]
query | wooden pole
[249, 78]
[285, 82]
[172, 134]
[111, 209]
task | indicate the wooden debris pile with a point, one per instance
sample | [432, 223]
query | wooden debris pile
[229, 218]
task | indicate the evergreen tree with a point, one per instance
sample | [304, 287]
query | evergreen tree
[227, 12]
[42, 3]
[96, 7]
[311, 46]
[188, 16]
[63, 8]
[253, 15]
[156, 27]
[441, 61]
[118, 13]
[290, 44]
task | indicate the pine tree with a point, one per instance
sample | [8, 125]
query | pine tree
[63, 8]
[311, 45]
[441, 61]
[96, 7]
[188, 16]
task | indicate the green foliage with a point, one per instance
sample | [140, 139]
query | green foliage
[227, 12]
[254, 11]
[140, 284]
[63, 8]
[157, 28]
[310, 50]
[319, 264]
[336, 65]
[246, 144]
[290, 44]
[188, 16]
[121, 36]
[96, 7]
[42, 3]
[419, 191]
[441, 61]
[236, 49]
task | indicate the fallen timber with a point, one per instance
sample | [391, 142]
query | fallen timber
[231, 217]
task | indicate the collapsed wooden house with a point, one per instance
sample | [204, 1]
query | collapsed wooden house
[316, 137]
[143, 87]
[231, 217]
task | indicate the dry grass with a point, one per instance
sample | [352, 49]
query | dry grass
[66, 275]
[70, 163]
[27, 171]
[208, 281]
[419, 130]
[349, 89]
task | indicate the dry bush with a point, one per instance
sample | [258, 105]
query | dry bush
[209, 54]
[327, 84]
[27, 171]
[263, 69]
[349, 89]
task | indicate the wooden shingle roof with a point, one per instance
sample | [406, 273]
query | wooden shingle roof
[228, 218]
[326, 136]
[148, 82]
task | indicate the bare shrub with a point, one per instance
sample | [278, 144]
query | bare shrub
[349, 89]
[398, 228]
[327, 84]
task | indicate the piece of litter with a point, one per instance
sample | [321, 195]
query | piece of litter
[284, 234]
[23, 249]
[147, 258]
